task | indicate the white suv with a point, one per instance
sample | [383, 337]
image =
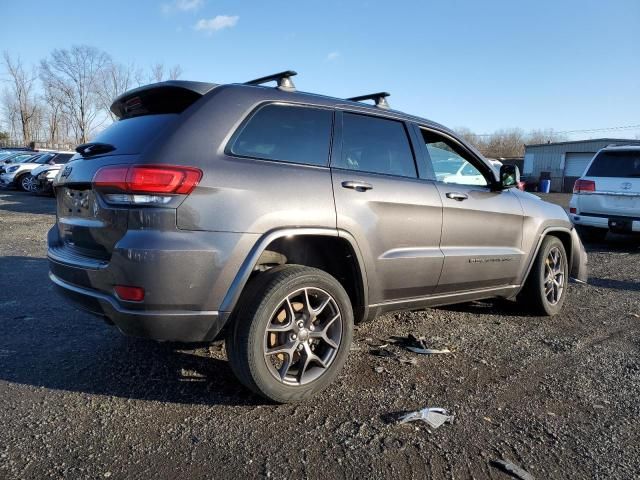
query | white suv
[607, 196]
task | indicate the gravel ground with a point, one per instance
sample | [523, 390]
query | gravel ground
[559, 397]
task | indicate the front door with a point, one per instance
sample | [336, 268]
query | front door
[481, 229]
[394, 216]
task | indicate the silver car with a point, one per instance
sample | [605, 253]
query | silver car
[278, 219]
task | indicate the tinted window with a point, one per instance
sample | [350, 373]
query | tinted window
[132, 135]
[287, 133]
[616, 164]
[376, 145]
[451, 164]
[43, 158]
[62, 158]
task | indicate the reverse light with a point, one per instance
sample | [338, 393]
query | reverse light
[128, 293]
[145, 184]
[584, 186]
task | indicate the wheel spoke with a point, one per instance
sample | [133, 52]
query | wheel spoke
[302, 339]
[287, 348]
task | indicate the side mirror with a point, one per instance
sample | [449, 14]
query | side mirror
[51, 162]
[509, 176]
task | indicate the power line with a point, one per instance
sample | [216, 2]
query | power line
[587, 130]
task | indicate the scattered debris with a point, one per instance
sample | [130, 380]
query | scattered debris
[635, 315]
[408, 360]
[354, 348]
[381, 370]
[512, 469]
[428, 351]
[382, 352]
[434, 417]
[419, 345]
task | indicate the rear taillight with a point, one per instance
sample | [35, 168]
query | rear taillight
[573, 210]
[584, 186]
[145, 184]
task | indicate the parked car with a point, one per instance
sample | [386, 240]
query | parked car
[277, 218]
[44, 174]
[15, 157]
[18, 174]
[607, 196]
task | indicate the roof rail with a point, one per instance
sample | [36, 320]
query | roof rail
[379, 99]
[283, 79]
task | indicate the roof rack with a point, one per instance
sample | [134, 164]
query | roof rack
[283, 79]
[379, 99]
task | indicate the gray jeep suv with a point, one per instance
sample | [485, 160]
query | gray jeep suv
[279, 218]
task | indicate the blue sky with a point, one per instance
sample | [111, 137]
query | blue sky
[486, 65]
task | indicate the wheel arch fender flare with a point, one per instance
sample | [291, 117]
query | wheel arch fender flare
[576, 254]
[232, 296]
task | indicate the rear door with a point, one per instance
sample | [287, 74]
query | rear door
[394, 216]
[481, 229]
[616, 174]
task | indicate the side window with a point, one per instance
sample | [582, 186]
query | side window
[287, 133]
[449, 162]
[375, 145]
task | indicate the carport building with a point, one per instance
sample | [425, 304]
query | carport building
[564, 162]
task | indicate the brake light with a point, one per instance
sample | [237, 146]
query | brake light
[130, 294]
[584, 186]
[573, 210]
[145, 184]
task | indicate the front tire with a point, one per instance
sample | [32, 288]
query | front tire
[292, 333]
[545, 290]
[27, 183]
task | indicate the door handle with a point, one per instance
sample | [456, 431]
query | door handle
[357, 186]
[457, 196]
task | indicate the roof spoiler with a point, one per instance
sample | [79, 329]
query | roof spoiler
[171, 96]
[282, 78]
[379, 98]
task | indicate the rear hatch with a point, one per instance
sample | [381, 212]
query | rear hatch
[616, 178]
[92, 220]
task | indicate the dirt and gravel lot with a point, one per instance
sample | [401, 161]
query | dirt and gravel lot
[559, 396]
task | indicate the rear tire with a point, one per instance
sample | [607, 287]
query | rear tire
[592, 234]
[291, 334]
[545, 290]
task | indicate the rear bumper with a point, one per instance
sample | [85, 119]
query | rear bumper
[600, 221]
[179, 326]
[185, 276]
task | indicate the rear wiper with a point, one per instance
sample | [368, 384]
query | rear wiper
[94, 148]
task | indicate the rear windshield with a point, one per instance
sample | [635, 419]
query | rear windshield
[132, 135]
[616, 164]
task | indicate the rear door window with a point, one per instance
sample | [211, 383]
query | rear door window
[616, 164]
[286, 133]
[375, 145]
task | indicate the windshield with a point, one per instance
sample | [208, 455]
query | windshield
[621, 163]
[22, 158]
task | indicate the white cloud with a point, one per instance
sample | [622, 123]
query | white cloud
[219, 22]
[332, 56]
[182, 5]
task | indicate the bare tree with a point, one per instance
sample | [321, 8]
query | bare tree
[20, 100]
[116, 79]
[74, 75]
[158, 70]
[507, 142]
[175, 72]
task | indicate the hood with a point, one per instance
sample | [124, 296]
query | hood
[44, 168]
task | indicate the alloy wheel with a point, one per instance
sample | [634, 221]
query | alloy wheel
[28, 183]
[554, 277]
[303, 336]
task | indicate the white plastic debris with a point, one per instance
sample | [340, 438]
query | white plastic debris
[512, 469]
[428, 351]
[433, 416]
